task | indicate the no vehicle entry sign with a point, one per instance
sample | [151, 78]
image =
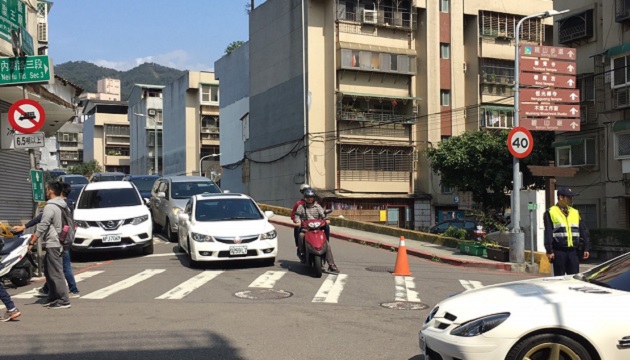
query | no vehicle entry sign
[26, 116]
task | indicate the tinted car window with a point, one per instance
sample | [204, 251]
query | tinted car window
[184, 190]
[615, 274]
[74, 194]
[74, 180]
[110, 177]
[108, 198]
[226, 209]
[143, 184]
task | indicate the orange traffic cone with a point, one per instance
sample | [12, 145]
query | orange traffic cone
[402, 264]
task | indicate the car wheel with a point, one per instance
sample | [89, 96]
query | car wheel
[548, 346]
[170, 235]
[148, 250]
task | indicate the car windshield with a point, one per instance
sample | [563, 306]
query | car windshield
[108, 198]
[227, 209]
[184, 190]
[75, 180]
[144, 184]
[614, 274]
[74, 194]
[110, 177]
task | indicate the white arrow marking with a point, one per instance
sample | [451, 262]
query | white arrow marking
[185, 288]
[570, 82]
[331, 289]
[573, 96]
[37, 176]
[570, 68]
[574, 125]
[573, 111]
[570, 53]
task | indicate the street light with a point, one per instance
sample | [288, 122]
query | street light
[155, 141]
[517, 238]
[205, 157]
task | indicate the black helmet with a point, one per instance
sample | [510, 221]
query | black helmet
[309, 193]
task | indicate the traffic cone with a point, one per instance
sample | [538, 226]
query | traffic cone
[402, 264]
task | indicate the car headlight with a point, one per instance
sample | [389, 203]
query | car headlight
[201, 237]
[81, 224]
[480, 326]
[177, 210]
[432, 314]
[269, 235]
[140, 219]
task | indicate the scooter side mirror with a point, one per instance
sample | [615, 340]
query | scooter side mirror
[327, 211]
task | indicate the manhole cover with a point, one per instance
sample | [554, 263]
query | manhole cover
[380, 269]
[263, 294]
[404, 305]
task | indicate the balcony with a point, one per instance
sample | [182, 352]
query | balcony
[383, 16]
[622, 11]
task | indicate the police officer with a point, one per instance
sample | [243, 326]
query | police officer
[563, 230]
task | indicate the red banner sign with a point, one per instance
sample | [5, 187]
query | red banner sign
[552, 110]
[549, 52]
[545, 80]
[547, 66]
[550, 124]
[549, 95]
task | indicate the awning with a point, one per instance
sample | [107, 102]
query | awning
[379, 96]
[621, 125]
[568, 142]
[618, 50]
[375, 48]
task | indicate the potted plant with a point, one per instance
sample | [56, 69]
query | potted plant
[496, 252]
[472, 248]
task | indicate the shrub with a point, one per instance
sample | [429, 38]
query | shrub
[455, 233]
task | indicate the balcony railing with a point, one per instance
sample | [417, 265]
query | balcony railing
[352, 115]
[381, 17]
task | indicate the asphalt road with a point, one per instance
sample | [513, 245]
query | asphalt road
[156, 307]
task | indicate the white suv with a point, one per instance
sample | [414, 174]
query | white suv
[111, 215]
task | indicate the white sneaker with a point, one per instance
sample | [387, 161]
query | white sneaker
[72, 295]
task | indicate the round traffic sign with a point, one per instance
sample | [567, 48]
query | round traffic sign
[520, 142]
[26, 116]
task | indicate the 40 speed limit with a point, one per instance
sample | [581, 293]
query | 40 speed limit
[520, 142]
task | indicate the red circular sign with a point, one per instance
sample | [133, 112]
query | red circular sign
[26, 116]
[520, 142]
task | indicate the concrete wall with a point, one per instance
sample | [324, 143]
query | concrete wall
[233, 71]
[88, 135]
[175, 126]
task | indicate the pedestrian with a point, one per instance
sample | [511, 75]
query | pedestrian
[563, 230]
[67, 264]
[12, 312]
[48, 230]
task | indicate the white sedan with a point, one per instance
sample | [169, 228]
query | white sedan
[226, 226]
[584, 316]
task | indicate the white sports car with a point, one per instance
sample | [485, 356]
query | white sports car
[584, 316]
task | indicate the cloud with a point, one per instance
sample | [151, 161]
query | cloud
[178, 59]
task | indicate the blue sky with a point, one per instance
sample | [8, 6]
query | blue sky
[121, 34]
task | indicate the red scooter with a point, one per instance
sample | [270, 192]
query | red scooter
[315, 244]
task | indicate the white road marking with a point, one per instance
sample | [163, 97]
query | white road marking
[122, 285]
[159, 240]
[331, 289]
[185, 288]
[167, 254]
[78, 278]
[267, 280]
[406, 289]
[471, 284]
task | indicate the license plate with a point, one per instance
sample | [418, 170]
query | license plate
[111, 238]
[238, 250]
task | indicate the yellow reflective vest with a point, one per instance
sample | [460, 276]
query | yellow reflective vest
[565, 228]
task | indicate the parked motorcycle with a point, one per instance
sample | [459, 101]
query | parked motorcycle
[16, 262]
[315, 243]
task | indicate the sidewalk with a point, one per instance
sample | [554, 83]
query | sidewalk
[421, 249]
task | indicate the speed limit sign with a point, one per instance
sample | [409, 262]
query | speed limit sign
[520, 142]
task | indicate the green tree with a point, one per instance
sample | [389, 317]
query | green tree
[233, 46]
[86, 169]
[480, 162]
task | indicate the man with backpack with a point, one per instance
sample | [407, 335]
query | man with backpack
[67, 264]
[50, 230]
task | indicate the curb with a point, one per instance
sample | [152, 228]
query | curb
[443, 259]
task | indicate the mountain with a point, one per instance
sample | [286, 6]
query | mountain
[86, 75]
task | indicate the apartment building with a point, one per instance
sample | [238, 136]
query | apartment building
[107, 89]
[145, 120]
[346, 95]
[56, 98]
[600, 151]
[191, 113]
[106, 134]
[69, 141]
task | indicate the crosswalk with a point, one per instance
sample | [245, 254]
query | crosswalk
[330, 290]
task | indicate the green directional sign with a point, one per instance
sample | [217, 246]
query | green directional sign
[12, 16]
[28, 69]
[37, 180]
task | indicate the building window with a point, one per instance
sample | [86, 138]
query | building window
[445, 51]
[497, 117]
[210, 94]
[114, 130]
[444, 5]
[67, 137]
[445, 98]
[576, 152]
[588, 214]
[621, 72]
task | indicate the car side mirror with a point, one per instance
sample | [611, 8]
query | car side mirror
[147, 202]
[161, 194]
[183, 217]
[269, 214]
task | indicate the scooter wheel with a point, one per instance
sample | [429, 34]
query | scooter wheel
[317, 266]
[20, 277]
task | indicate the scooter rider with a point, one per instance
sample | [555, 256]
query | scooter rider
[298, 228]
[308, 211]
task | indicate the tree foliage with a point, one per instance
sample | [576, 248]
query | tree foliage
[86, 169]
[233, 46]
[480, 162]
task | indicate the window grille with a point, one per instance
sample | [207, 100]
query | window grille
[588, 214]
[376, 158]
[499, 25]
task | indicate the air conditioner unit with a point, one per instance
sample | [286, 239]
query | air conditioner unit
[152, 112]
[42, 32]
[64, 163]
[369, 16]
[621, 98]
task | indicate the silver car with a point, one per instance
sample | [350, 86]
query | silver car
[169, 196]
